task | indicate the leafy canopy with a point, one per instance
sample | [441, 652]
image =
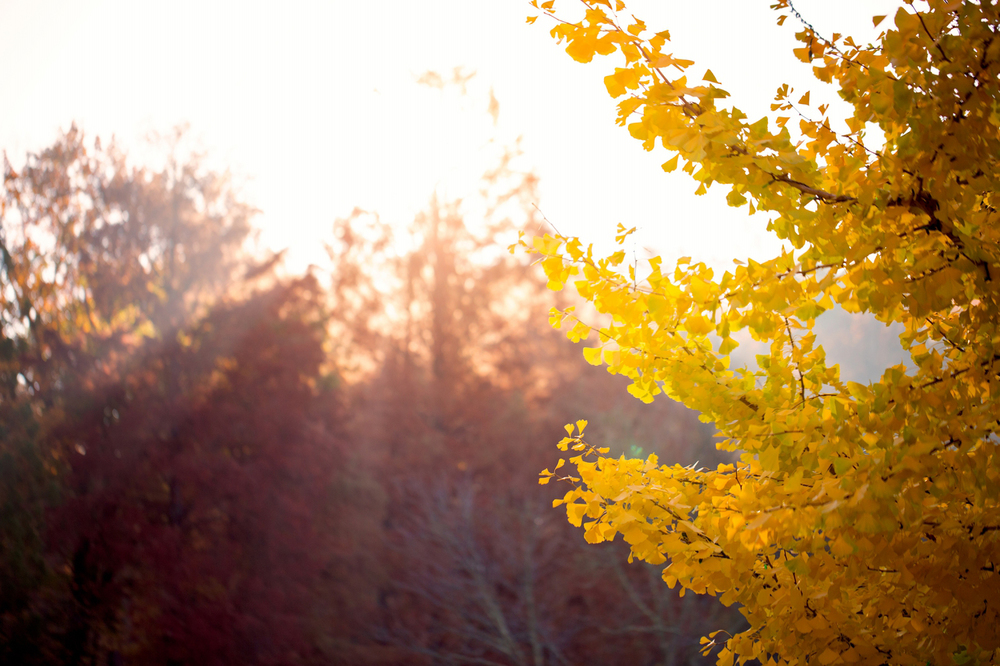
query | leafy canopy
[860, 523]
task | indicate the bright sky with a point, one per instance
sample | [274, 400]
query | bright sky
[316, 103]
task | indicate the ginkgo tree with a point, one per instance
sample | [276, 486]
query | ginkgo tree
[859, 523]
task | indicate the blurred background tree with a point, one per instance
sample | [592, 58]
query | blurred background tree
[205, 461]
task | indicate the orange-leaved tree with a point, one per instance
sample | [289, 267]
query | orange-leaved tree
[860, 523]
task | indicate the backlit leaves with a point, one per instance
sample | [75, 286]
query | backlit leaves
[860, 523]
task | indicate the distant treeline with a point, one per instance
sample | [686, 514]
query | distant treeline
[204, 462]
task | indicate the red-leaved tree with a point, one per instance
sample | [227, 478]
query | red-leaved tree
[192, 532]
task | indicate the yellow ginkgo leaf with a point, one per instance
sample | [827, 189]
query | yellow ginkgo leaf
[838, 502]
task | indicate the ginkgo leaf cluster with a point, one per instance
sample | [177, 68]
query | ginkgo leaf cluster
[860, 523]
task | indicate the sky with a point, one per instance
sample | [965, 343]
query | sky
[315, 108]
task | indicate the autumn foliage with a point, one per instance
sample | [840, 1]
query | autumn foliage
[190, 520]
[860, 523]
[167, 439]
